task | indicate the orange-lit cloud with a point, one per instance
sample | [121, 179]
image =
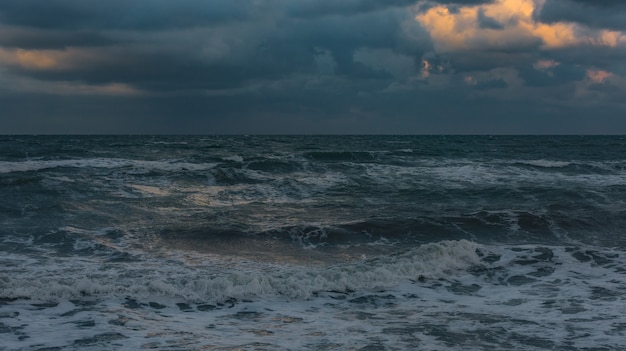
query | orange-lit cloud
[36, 59]
[49, 60]
[512, 25]
[546, 66]
[600, 86]
[76, 88]
[54, 60]
[543, 65]
[29, 85]
[598, 76]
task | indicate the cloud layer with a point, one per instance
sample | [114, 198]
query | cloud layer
[304, 66]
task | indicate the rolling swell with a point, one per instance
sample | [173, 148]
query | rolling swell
[487, 227]
[341, 156]
[211, 284]
[323, 191]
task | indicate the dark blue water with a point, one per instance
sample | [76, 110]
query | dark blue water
[402, 242]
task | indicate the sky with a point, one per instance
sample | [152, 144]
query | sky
[313, 67]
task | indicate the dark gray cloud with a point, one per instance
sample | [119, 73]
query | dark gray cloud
[121, 14]
[609, 14]
[227, 57]
[43, 39]
[488, 22]
[601, 3]
[561, 74]
[315, 8]
[293, 66]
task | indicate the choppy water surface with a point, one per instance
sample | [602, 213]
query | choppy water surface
[312, 243]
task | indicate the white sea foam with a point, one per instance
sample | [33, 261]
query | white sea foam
[529, 298]
[234, 158]
[545, 163]
[493, 174]
[72, 278]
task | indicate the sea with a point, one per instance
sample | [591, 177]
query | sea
[312, 243]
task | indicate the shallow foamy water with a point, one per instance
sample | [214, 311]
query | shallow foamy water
[511, 298]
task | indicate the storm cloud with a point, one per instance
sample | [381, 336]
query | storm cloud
[304, 66]
[608, 14]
